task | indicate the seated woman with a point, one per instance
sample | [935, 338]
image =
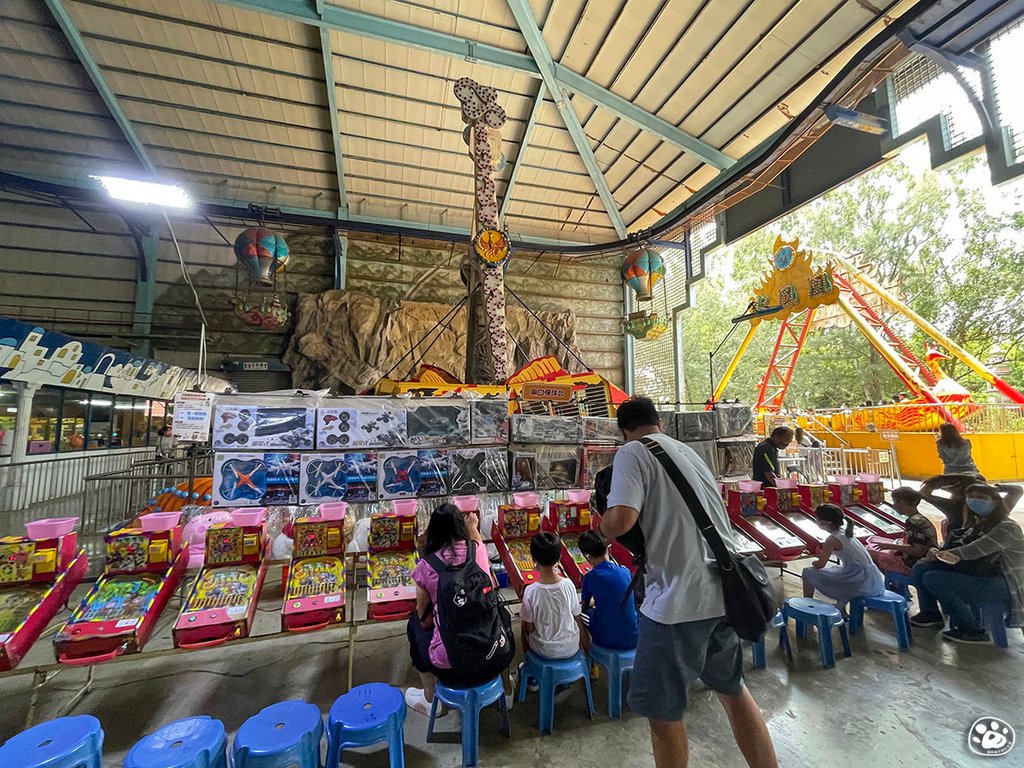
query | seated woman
[449, 533]
[984, 566]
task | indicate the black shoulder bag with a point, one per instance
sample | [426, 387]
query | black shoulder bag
[750, 602]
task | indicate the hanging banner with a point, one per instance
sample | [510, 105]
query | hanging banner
[192, 417]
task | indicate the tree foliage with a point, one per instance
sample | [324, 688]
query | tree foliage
[956, 258]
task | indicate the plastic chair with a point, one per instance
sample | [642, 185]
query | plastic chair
[760, 657]
[367, 715]
[993, 616]
[67, 742]
[806, 610]
[552, 672]
[899, 583]
[469, 702]
[891, 602]
[283, 735]
[618, 663]
[195, 742]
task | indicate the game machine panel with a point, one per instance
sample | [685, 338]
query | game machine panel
[570, 518]
[746, 511]
[517, 524]
[38, 573]
[142, 570]
[783, 505]
[221, 605]
[872, 496]
[315, 594]
[866, 522]
[813, 495]
[391, 559]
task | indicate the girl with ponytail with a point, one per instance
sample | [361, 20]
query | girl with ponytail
[856, 574]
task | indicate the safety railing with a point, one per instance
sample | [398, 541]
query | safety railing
[818, 465]
[916, 417]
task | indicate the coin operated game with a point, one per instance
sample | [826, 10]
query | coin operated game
[570, 518]
[118, 615]
[391, 559]
[867, 522]
[222, 603]
[872, 495]
[746, 506]
[784, 504]
[517, 524]
[315, 595]
[38, 573]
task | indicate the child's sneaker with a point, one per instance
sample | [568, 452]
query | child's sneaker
[415, 700]
[531, 684]
[970, 636]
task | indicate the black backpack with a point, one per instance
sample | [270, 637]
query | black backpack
[474, 624]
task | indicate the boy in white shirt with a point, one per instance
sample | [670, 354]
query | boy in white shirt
[550, 615]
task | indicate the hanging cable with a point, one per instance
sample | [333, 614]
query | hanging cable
[201, 370]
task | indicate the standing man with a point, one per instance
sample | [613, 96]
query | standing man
[683, 634]
[766, 456]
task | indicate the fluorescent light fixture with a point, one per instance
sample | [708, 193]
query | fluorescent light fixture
[858, 121]
[145, 192]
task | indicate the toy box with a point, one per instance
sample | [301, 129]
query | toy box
[409, 474]
[349, 477]
[248, 423]
[478, 470]
[360, 422]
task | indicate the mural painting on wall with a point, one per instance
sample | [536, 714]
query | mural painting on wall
[34, 355]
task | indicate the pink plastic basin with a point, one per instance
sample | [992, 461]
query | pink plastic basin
[334, 511]
[579, 495]
[748, 485]
[865, 477]
[159, 521]
[785, 482]
[467, 503]
[50, 527]
[526, 499]
[404, 506]
[844, 479]
[247, 515]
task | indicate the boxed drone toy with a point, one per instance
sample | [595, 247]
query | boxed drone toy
[478, 470]
[349, 477]
[412, 474]
[598, 429]
[528, 428]
[488, 421]
[360, 422]
[438, 422]
[558, 467]
[248, 423]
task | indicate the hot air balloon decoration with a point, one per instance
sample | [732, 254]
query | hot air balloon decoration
[643, 269]
[263, 253]
[645, 327]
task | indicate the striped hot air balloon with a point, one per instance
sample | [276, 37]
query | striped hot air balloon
[642, 269]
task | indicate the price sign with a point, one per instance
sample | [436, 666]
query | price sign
[890, 435]
[192, 412]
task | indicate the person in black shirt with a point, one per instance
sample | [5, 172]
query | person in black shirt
[766, 456]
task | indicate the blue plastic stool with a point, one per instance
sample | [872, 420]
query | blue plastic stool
[806, 610]
[195, 742]
[283, 735]
[993, 617]
[552, 672]
[891, 602]
[760, 657]
[67, 742]
[366, 715]
[900, 583]
[469, 702]
[618, 663]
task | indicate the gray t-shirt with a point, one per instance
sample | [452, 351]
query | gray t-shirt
[682, 582]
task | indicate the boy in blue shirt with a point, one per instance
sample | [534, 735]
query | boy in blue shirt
[607, 599]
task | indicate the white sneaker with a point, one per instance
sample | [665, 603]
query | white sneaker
[415, 700]
[532, 685]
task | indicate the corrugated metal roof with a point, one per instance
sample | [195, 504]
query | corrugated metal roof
[229, 97]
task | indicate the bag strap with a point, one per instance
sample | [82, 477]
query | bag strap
[700, 516]
[440, 565]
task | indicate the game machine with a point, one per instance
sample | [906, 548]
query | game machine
[517, 524]
[784, 505]
[570, 518]
[315, 596]
[142, 570]
[867, 522]
[221, 605]
[391, 559]
[746, 506]
[38, 573]
[872, 496]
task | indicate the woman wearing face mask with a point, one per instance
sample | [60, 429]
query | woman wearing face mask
[987, 569]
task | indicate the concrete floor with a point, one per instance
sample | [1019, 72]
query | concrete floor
[878, 708]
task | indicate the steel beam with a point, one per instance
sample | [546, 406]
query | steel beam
[539, 50]
[332, 106]
[340, 259]
[642, 119]
[60, 15]
[148, 246]
[531, 124]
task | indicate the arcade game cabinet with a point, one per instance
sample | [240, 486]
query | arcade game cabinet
[746, 505]
[846, 496]
[517, 524]
[569, 519]
[315, 594]
[391, 559]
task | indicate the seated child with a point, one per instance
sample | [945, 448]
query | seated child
[551, 609]
[613, 619]
[901, 556]
[855, 576]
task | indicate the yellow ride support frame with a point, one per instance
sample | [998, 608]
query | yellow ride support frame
[734, 364]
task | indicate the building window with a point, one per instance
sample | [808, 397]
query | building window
[140, 423]
[101, 408]
[72, 420]
[921, 89]
[121, 427]
[8, 417]
[44, 422]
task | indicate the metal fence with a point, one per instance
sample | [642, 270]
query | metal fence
[906, 417]
[819, 464]
[27, 483]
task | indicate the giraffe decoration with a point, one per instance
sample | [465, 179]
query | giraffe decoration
[487, 358]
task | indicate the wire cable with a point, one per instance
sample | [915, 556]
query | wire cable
[201, 369]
